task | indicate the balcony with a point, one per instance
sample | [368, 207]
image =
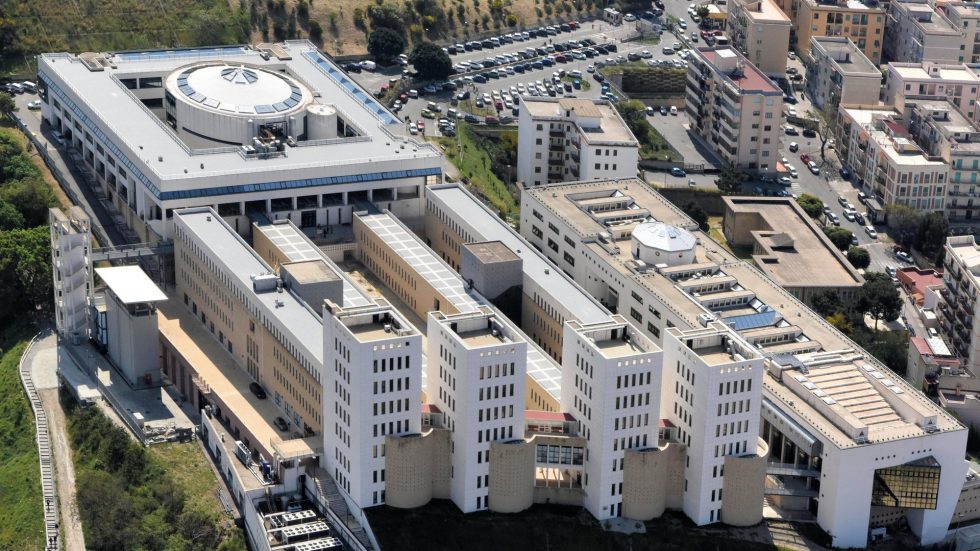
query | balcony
[557, 132]
[556, 148]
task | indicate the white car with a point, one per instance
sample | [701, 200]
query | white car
[791, 111]
[872, 233]
[904, 257]
[629, 17]
[590, 68]
[813, 168]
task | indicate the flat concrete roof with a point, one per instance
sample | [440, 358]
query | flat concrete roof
[158, 150]
[805, 257]
[302, 326]
[934, 71]
[846, 56]
[131, 284]
[491, 251]
[712, 260]
[764, 11]
[311, 271]
[612, 128]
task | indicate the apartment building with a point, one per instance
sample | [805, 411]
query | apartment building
[966, 18]
[573, 139]
[838, 73]
[958, 300]
[372, 375]
[943, 131]
[789, 247]
[916, 31]
[877, 146]
[277, 129]
[760, 30]
[957, 83]
[862, 22]
[735, 108]
[833, 418]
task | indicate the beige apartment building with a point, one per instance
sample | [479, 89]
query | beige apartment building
[838, 73]
[943, 131]
[789, 247]
[863, 23]
[735, 108]
[956, 82]
[966, 18]
[760, 30]
[916, 31]
[958, 299]
[890, 166]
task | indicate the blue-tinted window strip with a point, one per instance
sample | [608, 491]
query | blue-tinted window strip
[328, 69]
[100, 135]
[224, 190]
[296, 184]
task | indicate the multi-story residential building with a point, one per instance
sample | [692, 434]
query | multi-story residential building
[833, 418]
[789, 247]
[760, 30]
[880, 151]
[862, 22]
[838, 73]
[372, 380]
[277, 129]
[943, 131]
[916, 31]
[957, 83]
[735, 108]
[958, 300]
[966, 18]
[573, 139]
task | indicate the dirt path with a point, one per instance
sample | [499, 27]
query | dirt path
[71, 524]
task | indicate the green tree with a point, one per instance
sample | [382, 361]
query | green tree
[930, 235]
[7, 105]
[10, 217]
[903, 221]
[697, 214]
[730, 181]
[826, 302]
[702, 11]
[840, 237]
[384, 45]
[106, 510]
[387, 15]
[826, 123]
[879, 298]
[25, 272]
[431, 62]
[811, 205]
[209, 28]
[840, 321]
[316, 32]
[858, 257]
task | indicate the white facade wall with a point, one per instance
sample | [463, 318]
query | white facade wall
[716, 408]
[480, 389]
[961, 92]
[616, 401]
[371, 389]
[906, 39]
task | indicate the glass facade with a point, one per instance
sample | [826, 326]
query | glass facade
[914, 485]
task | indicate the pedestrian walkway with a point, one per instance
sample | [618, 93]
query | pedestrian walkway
[48, 489]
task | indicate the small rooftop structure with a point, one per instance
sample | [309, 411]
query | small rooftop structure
[130, 284]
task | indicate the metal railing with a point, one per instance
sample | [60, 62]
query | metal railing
[43, 438]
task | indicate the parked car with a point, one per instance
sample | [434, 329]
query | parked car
[904, 257]
[809, 133]
[872, 233]
[842, 200]
[794, 147]
[281, 424]
[257, 390]
[813, 168]
[805, 158]
[34, 105]
[678, 171]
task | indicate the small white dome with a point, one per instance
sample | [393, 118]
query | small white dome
[659, 243]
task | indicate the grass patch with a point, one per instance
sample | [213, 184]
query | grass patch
[619, 68]
[655, 146]
[475, 167]
[22, 515]
[133, 498]
[540, 527]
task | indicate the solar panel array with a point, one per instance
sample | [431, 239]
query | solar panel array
[752, 321]
[181, 54]
[359, 94]
[298, 249]
[445, 281]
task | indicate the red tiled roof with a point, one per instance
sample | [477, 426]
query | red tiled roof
[538, 415]
[921, 346]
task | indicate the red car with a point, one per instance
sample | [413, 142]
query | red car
[573, 25]
[421, 126]
[805, 158]
[404, 97]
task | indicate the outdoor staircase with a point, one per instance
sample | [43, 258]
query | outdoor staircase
[336, 506]
[50, 494]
